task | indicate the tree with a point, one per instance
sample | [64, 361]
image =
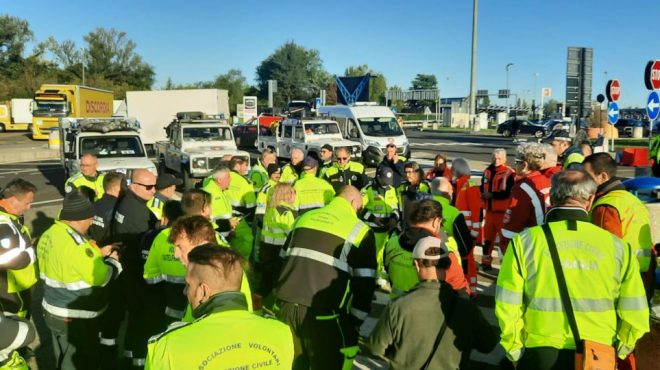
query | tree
[299, 73]
[112, 58]
[398, 104]
[550, 107]
[424, 82]
[485, 101]
[14, 34]
[377, 83]
[234, 82]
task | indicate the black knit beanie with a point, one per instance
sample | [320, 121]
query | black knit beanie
[76, 207]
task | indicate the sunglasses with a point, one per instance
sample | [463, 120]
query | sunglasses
[147, 187]
[342, 158]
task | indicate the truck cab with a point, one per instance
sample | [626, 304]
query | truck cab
[196, 144]
[115, 142]
[370, 125]
[308, 134]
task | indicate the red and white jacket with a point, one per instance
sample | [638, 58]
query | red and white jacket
[468, 201]
[530, 198]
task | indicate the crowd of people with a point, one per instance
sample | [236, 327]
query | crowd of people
[276, 267]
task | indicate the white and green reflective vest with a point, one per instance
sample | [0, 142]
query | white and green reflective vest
[312, 192]
[603, 280]
[258, 175]
[635, 223]
[74, 272]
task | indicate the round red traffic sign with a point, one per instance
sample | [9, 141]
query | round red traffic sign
[613, 90]
[652, 75]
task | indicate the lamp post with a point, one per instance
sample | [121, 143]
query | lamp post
[508, 66]
[536, 76]
[473, 71]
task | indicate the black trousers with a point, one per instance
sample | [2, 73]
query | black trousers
[546, 358]
[76, 342]
[321, 340]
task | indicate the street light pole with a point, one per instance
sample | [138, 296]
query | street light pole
[536, 76]
[473, 72]
[507, 88]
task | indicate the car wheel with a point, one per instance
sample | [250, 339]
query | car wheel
[538, 134]
[506, 132]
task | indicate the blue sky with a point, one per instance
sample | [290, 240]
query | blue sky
[195, 40]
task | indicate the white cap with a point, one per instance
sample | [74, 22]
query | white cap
[424, 249]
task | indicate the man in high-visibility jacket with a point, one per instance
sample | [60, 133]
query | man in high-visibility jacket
[621, 213]
[243, 203]
[345, 172]
[327, 281]
[166, 185]
[468, 201]
[311, 192]
[570, 157]
[325, 160]
[15, 333]
[412, 189]
[602, 278]
[76, 273]
[425, 220]
[258, 173]
[529, 196]
[213, 281]
[453, 220]
[381, 212]
[221, 210]
[496, 184]
[18, 268]
[88, 177]
[654, 154]
[291, 171]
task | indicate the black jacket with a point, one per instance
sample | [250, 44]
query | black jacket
[132, 220]
[104, 212]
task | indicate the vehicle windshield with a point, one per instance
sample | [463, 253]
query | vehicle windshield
[49, 106]
[321, 128]
[112, 146]
[194, 134]
[380, 126]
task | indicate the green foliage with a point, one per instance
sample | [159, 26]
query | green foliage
[424, 82]
[550, 107]
[377, 83]
[298, 71]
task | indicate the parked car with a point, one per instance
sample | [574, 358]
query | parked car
[524, 127]
[245, 134]
[625, 127]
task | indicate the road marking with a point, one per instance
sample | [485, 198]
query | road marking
[47, 201]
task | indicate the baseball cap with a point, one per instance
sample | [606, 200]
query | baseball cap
[76, 207]
[559, 135]
[166, 180]
[310, 163]
[430, 248]
[272, 168]
[385, 176]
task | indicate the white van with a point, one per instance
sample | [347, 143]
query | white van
[371, 125]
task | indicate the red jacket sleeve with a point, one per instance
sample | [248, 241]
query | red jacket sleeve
[516, 217]
[607, 217]
[455, 276]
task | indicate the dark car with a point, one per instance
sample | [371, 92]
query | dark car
[523, 126]
[245, 134]
[625, 127]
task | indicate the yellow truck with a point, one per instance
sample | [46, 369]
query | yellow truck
[53, 102]
[15, 114]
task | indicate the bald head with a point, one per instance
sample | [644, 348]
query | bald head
[442, 186]
[143, 183]
[353, 196]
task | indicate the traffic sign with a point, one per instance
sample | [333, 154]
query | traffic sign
[613, 90]
[652, 75]
[653, 105]
[612, 113]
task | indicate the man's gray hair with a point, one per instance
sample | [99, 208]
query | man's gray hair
[550, 156]
[439, 185]
[221, 171]
[460, 167]
[499, 151]
[267, 152]
[571, 185]
[533, 154]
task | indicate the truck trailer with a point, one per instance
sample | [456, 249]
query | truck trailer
[156, 109]
[16, 115]
[53, 102]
